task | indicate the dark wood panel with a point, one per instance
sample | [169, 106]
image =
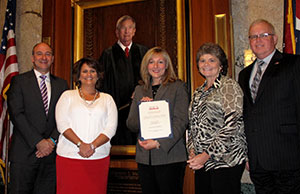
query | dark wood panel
[202, 31]
[48, 21]
[63, 39]
[57, 28]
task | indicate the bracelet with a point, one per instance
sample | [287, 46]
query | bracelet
[53, 140]
[92, 146]
[78, 144]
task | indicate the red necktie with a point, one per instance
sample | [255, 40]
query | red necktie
[127, 51]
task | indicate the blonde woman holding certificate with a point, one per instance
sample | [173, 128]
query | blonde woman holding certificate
[161, 162]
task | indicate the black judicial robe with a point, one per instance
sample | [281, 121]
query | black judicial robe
[120, 76]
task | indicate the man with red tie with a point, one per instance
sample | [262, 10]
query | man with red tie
[121, 66]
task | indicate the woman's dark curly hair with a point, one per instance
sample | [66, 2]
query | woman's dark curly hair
[215, 50]
[92, 63]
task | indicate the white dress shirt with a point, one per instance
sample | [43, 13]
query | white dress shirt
[47, 81]
[124, 47]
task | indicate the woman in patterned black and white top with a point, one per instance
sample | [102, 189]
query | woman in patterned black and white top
[216, 140]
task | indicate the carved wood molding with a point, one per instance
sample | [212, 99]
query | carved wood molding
[89, 32]
[162, 23]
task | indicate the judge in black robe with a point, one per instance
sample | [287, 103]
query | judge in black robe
[120, 76]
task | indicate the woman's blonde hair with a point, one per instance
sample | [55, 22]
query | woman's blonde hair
[169, 75]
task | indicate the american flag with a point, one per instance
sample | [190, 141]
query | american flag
[292, 26]
[8, 68]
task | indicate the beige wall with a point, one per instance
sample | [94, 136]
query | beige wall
[28, 29]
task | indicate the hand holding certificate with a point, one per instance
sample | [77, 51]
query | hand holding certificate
[155, 120]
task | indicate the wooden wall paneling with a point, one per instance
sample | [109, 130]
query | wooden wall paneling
[48, 22]
[222, 7]
[201, 31]
[63, 39]
[57, 29]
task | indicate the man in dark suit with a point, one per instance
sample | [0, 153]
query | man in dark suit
[272, 113]
[32, 112]
[121, 66]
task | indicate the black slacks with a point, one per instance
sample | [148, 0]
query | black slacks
[32, 178]
[219, 181]
[162, 179]
[275, 182]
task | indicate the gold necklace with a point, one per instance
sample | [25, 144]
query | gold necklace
[86, 101]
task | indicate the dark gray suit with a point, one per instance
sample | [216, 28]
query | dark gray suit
[272, 123]
[31, 124]
[172, 150]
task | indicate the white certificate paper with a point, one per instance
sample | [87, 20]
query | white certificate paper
[155, 120]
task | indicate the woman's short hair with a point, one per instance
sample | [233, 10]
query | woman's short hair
[92, 63]
[169, 75]
[215, 50]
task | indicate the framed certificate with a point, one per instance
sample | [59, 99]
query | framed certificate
[155, 120]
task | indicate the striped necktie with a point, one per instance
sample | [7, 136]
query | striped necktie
[44, 92]
[256, 80]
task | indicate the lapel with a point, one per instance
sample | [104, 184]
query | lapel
[148, 92]
[54, 93]
[35, 89]
[246, 80]
[273, 65]
[160, 92]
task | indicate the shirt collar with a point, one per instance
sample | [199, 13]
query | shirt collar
[122, 46]
[38, 74]
[268, 58]
[216, 83]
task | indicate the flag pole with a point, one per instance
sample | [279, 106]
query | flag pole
[7, 137]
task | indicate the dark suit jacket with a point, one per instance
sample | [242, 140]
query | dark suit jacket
[272, 123]
[171, 150]
[31, 124]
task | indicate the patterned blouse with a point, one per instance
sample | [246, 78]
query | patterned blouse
[216, 124]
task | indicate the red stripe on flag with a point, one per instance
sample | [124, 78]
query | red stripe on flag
[297, 9]
[2, 59]
[11, 60]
